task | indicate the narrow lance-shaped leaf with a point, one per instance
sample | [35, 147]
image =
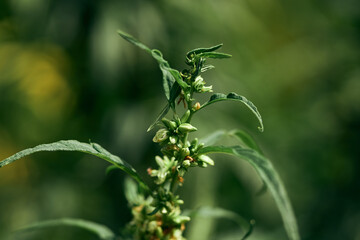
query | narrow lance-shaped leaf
[73, 145]
[268, 174]
[217, 97]
[134, 41]
[101, 231]
[203, 50]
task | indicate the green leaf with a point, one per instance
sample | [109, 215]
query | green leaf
[101, 231]
[246, 139]
[215, 55]
[73, 145]
[134, 41]
[203, 50]
[170, 75]
[217, 97]
[268, 174]
[210, 212]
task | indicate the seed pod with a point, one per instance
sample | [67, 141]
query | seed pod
[161, 135]
[186, 127]
[186, 116]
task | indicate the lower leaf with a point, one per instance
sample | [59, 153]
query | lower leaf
[101, 231]
[268, 174]
[73, 145]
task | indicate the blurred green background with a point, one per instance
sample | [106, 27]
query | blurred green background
[66, 74]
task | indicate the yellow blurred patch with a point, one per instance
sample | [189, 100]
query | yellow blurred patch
[39, 73]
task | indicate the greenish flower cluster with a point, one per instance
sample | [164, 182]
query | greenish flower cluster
[159, 216]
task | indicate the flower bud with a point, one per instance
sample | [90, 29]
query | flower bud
[202, 164]
[173, 139]
[186, 127]
[198, 83]
[206, 89]
[186, 163]
[171, 125]
[196, 106]
[186, 116]
[206, 159]
[185, 151]
[161, 135]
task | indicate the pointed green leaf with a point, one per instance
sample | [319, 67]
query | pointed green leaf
[134, 41]
[217, 97]
[203, 50]
[73, 145]
[268, 174]
[101, 231]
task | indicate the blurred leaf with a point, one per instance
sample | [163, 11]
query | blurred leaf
[110, 169]
[235, 97]
[73, 145]
[268, 174]
[132, 192]
[211, 212]
[213, 137]
[101, 231]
